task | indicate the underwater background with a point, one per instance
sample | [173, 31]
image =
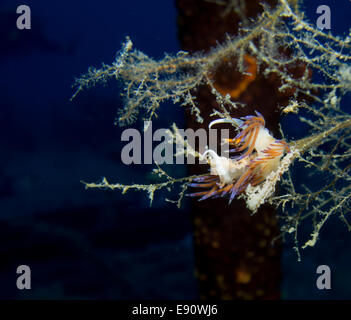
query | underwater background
[94, 244]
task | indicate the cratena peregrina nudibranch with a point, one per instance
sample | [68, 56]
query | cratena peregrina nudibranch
[260, 156]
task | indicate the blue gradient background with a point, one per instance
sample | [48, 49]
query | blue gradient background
[96, 244]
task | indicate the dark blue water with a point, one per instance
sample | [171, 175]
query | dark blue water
[98, 244]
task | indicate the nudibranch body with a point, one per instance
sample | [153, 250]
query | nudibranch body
[260, 155]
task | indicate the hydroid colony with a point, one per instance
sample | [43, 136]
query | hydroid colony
[263, 161]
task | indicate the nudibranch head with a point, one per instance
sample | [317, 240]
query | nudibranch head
[260, 155]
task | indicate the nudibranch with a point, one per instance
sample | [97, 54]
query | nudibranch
[259, 155]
